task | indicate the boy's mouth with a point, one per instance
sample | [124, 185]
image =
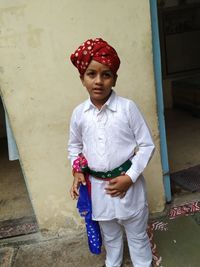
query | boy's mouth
[98, 90]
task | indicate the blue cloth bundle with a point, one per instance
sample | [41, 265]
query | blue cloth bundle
[84, 206]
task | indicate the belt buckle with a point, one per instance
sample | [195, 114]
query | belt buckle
[109, 174]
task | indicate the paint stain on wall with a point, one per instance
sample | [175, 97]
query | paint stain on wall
[32, 38]
[15, 32]
[7, 14]
[1, 70]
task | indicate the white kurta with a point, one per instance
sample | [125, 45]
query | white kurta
[107, 138]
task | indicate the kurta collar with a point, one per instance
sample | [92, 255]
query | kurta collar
[110, 104]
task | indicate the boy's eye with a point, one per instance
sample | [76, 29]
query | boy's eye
[91, 74]
[104, 75]
[107, 75]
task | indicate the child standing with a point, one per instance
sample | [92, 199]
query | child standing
[114, 138]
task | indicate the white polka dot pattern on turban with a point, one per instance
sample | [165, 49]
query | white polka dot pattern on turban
[98, 50]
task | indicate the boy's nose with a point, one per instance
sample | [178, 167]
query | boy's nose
[98, 79]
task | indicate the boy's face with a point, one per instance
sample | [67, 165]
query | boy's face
[98, 80]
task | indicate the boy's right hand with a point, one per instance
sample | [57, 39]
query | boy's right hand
[79, 178]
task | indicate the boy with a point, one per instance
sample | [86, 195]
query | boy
[112, 135]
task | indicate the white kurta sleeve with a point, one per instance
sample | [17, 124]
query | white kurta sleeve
[75, 139]
[144, 142]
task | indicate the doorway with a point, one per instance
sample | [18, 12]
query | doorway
[179, 32]
[16, 212]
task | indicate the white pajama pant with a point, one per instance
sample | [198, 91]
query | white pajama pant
[138, 241]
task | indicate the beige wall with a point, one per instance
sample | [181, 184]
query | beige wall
[2, 121]
[40, 87]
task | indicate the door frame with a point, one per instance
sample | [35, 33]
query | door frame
[159, 98]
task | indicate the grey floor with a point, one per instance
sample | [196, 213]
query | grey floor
[14, 198]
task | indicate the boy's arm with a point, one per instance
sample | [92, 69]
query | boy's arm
[74, 149]
[75, 139]
[145, 145]
[145, 149]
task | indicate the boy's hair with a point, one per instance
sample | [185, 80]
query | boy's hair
[98, 50]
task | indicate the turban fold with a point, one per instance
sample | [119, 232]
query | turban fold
[98, 50]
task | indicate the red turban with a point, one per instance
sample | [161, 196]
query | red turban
[98, 50]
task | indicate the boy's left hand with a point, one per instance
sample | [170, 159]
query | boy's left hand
[118, 186]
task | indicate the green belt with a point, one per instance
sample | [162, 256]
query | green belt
[109, 174]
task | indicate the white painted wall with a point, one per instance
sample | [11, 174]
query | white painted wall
[41, 87]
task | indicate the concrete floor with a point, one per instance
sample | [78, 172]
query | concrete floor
[176, 241]
[14, 199]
